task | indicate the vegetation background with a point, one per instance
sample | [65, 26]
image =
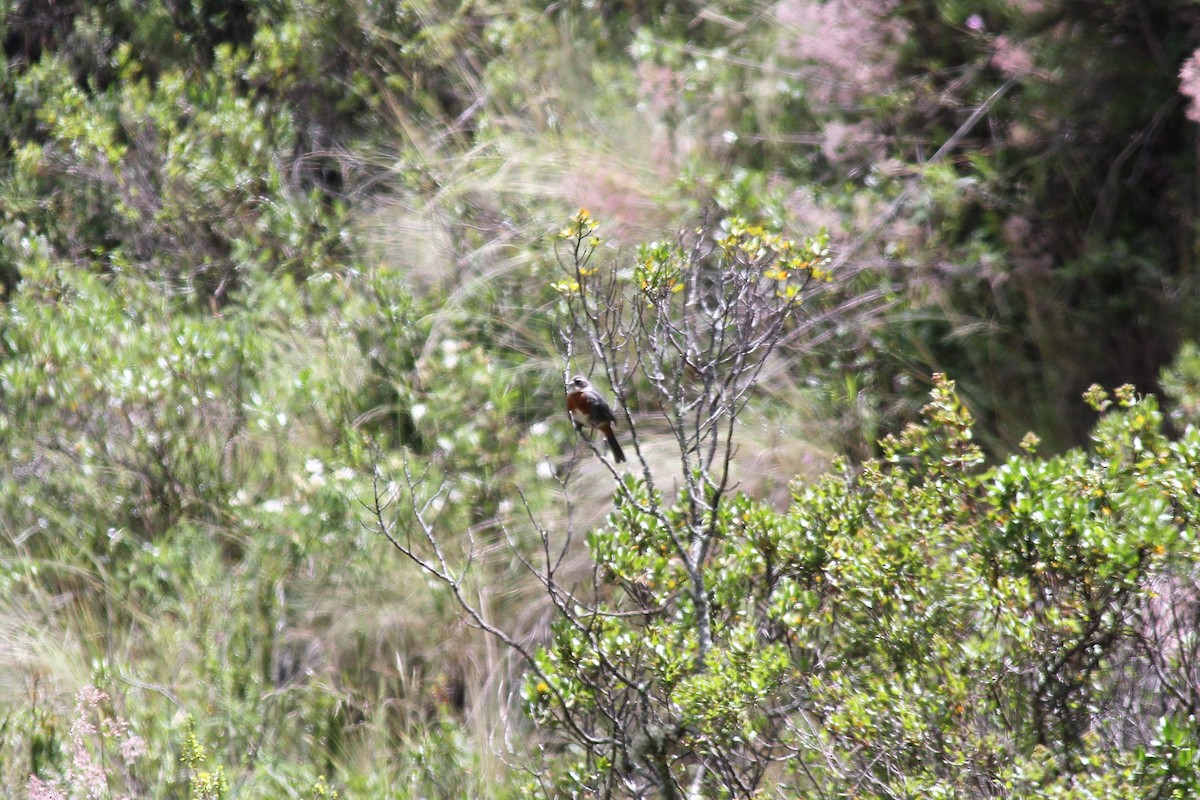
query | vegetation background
[256, 256]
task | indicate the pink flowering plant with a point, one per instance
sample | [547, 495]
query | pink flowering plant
[1189, 85]
[102, 751]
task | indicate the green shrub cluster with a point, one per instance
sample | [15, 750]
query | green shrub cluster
[924, 625]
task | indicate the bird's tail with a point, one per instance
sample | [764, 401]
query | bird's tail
[614, 446]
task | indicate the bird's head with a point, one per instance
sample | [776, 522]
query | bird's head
[578, 384]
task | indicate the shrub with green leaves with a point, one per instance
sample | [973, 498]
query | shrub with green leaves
[923, 625]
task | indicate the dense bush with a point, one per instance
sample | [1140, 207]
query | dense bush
[924, 625]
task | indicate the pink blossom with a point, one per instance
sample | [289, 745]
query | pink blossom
[114, 727]
[89, 776]
[89, 697]
[659, 85]
[844, 141]
[809, 214]
[1189, 85]
[975, 23]
[132, 749]
[850, 46]
[85, 772]
[81, 728]
[1012, 58]
[39, 789]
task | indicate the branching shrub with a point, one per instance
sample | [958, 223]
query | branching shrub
[925, 624]
[689, 328]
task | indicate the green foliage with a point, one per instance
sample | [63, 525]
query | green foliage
[181, 179]
[925, 624]
[204, 783]
[1180, 382]
[202, 365]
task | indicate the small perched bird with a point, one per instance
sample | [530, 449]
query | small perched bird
[587, 407]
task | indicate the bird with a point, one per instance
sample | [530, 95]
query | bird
[587, 407]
